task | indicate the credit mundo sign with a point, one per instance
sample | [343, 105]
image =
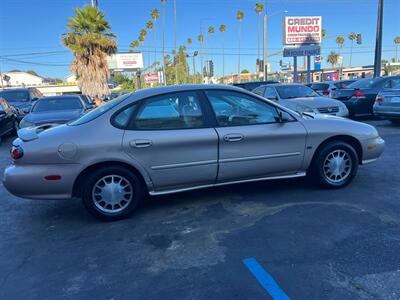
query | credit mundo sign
[302, 30]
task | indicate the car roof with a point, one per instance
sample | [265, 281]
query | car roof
[181, 88]
[61, 97]
[17, 90]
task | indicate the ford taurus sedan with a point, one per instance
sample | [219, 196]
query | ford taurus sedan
[302, 98]
[179, 138]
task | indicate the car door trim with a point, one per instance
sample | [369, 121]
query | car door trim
[182, 165]
[247, 158]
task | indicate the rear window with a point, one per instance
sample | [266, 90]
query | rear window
[15, 96]
[95, 113]
[57, 104]
[320, 86]
[365, 83]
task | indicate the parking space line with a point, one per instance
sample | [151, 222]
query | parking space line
[265, 279]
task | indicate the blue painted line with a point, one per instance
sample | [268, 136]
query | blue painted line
[265, 279]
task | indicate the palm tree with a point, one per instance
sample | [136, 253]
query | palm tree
[189, 41]
[333, 59]
[210, 32]
[134, 44]
[155, 14]
[239, 17]
[91, 42]
[200, 38]
[222, 29]
[397, 43]
[259, 8]
[149, 26]
[163, 2]
[340, 42]
[352, 37]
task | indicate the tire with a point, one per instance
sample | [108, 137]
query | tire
[112, 193]
[328, 172]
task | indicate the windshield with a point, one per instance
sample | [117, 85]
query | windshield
[15, 96]
[57, 104]
[364, 83]
[295, 91]
[98, 111]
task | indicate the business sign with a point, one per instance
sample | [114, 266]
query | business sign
[302, 30]
[125, 61]
[317, 63]
[307, 50]
[153, 78]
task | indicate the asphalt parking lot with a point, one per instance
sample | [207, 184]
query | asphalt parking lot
[315, 244]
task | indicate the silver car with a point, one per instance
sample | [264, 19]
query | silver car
[180, 138]
[301, 98]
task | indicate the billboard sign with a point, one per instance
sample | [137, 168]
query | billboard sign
[302, 30]
[125, 61]
[307, 50]
[153, 78]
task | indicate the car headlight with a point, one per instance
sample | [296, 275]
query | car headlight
[24, 124]
[304, 108]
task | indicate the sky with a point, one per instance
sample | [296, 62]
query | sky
[31, 30]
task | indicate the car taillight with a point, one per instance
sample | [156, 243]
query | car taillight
[16, 152]
[358, 93]
[379, 99]
[326, 93]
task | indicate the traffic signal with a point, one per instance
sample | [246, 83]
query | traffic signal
[280, 63]
[211, 68]
[359, 39]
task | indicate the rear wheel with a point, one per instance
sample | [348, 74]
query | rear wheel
[335, 165]
[112, 193]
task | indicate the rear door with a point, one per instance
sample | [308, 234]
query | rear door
[252, 141]
[170, 136]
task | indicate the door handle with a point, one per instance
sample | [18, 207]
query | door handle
[140, 143]
[233, 137]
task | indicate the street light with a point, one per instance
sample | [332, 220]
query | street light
[266, 17]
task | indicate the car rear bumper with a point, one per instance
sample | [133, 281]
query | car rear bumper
[28, 181]
[372, 149]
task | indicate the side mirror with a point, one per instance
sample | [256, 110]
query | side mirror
[35, 99]
[279, 118]
[26, 110]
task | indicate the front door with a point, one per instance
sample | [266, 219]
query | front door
[253, 141]
[171, 138]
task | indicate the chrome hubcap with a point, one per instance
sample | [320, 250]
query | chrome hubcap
[337, 166]
[112, 193]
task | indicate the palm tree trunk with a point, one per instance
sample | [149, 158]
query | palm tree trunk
[351, 52]
[223, 58]
[155, 46]
[201, 63]
[206, 54]
[397, 48]
[176, 53]
[163, 42]
[258, 49]
[239, 35]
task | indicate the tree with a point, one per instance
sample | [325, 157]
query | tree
[91, 42]
[259, 8]
[189, 41]
[149, 26]
[179, 63]
[333, 59]
[352, 38]
[210, 32]
[200, 38]
[245, 71]
[340, 42]
[397, 43]
[155, 14]
[222, 29]
[239, 17]
[134, 44]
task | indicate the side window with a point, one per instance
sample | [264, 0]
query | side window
[233, 109]
[388, 84]
[171, 111]
[121, 119]
[270, 94]
[259, 91]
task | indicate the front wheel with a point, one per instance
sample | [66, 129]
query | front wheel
[112, 193]
[335, 165]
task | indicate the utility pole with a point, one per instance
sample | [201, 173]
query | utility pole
[265, 44]
[176, 54]
[95, 3]
[378, 43]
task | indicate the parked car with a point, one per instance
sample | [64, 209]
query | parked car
[301, 98]
[8, 118]
[359, 97]
[325, 88]
[54, 110]
[21, 99]
[387, 103]
[179, 138]
[252, 85]
[89, 103]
